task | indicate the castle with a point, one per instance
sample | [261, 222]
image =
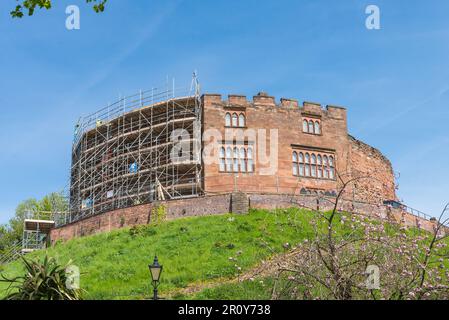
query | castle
[206, 154]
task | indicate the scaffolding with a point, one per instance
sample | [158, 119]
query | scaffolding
[140, 149]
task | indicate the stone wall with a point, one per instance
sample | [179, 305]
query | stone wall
[378, 183]
[142, 214]
[220, 204]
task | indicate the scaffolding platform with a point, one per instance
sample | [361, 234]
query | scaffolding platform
[35, 234]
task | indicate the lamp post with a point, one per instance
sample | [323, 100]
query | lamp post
[155, 270]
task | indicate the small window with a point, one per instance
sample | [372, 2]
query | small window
[317, 128]
[295, 163]
[305, 126]
[234, 120]
[311, 126]
[242, 159]
[236, 159]
[250, 160]
[229, 159]
[228, 120]
[242, 120]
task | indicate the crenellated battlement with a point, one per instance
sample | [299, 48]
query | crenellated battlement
[264, 99]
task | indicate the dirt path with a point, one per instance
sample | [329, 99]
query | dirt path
[264, 269]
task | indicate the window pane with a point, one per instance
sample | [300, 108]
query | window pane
[307, 158]
[317, 127]
[250, 153]
[307, 171]
[325, 172]
[325, 161]
[228, 152]
[242, 120]
[301, 170]
[313, 171]
[236, 165]
[242, 153]
[331, 173]
[310, 126]
[243, 165]
[305, 126]
[295, 169]
[320, 172]
[313, 159]
[301, 157]
[228, 119]
[222, 165]
[295, 157]
[234, 120]
[319, 160]
[250, 165]
[222, 152]
[331, 161]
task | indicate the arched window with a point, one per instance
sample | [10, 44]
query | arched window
[228, 120]
[295, 163]
[325, 169]
[319, 166]
[307, 166]
[234, 120]
[222, 159]
[317, 127]
[305, 126]
[301, 164]
[228, 159]
[331, 168]
[236, 159]
[311, 126]
[313, 167]
[242, 159]
[250, 160]
[242, 120]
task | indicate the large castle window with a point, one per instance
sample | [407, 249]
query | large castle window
[313, 164]
[235, 159]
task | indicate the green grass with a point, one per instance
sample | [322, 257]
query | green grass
[115, 265]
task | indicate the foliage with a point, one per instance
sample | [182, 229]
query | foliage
[11, 233]
[159, 213]
[29, 6]
[333, 264]
[115, 265]
[42, 281]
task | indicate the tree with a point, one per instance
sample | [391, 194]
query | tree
[29, 6]
[333, 263]
[12, 233]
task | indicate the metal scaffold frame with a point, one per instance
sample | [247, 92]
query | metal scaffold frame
[142, 148]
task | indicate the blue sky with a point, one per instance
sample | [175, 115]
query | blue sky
[394, 81]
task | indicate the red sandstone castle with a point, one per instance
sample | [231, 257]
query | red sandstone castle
[206, 154]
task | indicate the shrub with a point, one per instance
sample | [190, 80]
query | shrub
[42, 281]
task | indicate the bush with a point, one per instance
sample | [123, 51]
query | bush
[42, 281]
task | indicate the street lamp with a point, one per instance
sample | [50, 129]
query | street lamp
[155, 270]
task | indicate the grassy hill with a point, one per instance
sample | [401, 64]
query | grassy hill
[192, 250]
